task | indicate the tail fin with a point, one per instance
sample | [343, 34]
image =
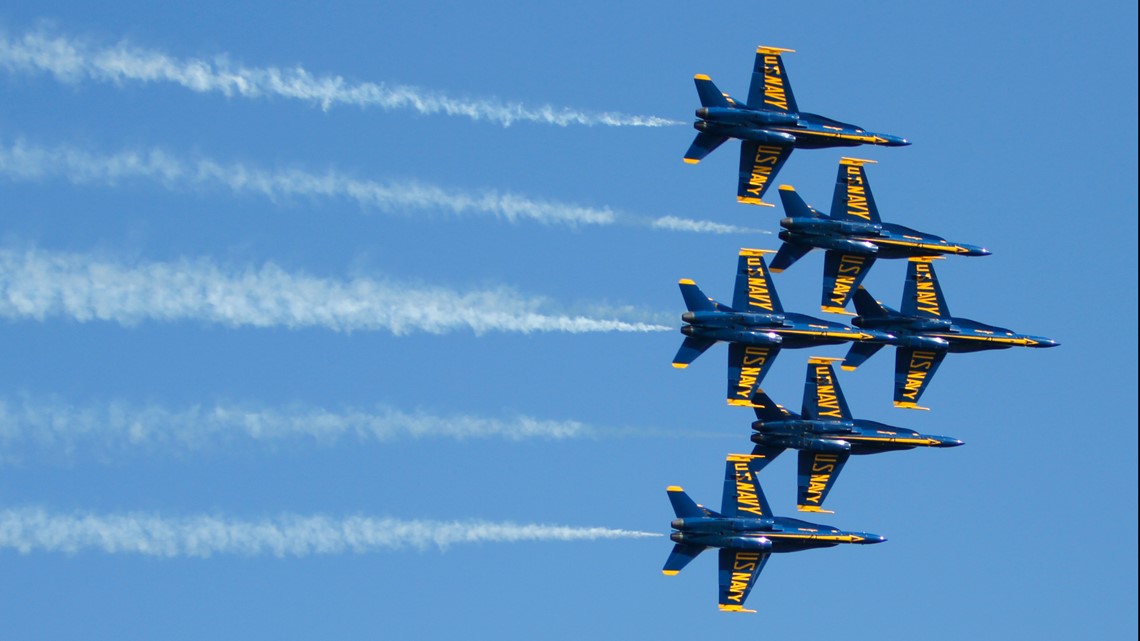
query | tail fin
[709, 94]
[794, 205]
[683, 506]
[866, 305]
[695, 299]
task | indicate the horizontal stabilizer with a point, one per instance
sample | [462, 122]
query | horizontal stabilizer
[681, 555]
[767, 409]
[788, 255]
[867, 306]
[695, 299]
[693, 347]
[709, 94]
[794, 204]
[859, 353]
[703, 145]
[683, 506]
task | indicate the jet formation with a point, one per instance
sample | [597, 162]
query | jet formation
[769, 126]
[756, 327]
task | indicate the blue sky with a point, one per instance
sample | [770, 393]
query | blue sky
[253, 322]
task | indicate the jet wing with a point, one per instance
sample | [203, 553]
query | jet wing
[743, 496]
[823, 398]
[842, 275]
[754, 291]
[852, 199]
[922, 297]
[738, 572]
[759, 165]
[770, 89]
[913, 370]
[747, 366]
[817, 474]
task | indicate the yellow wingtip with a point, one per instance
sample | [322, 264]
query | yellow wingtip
[701, 76]
[739, 403]
[674, 488]
[747, 251]
[680, 365]
[836, 310]
[686, 281]
[691, 161]
[787, 188]
[733, 608]
[907, 405]
[857, 161]
[767, 49]
[813, 508]
[822, 360]
[848, 368]
[749, 200]
[670, 572]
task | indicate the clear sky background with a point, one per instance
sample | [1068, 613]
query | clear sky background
[221, 310]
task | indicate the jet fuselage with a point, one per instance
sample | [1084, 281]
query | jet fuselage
[856, 436]
[954, 335]
[803, 130]
[776, 535]
[787, 329]
[882, 240]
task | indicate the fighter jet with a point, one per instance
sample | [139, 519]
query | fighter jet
[769, 125]
[924, 332]
[745, 531]
[825, 434]
[853, 236]
[755, 327]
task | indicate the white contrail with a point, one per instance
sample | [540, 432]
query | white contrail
[73, 60]
[52, 423]
[37, 285]
[22, 161]
[34, 529]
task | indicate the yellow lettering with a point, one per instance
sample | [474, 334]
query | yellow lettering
[766, 158]
[774, 84]
[920, 363]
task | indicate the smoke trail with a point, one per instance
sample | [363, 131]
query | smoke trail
[21, 161]
[50, 422]
[72, 60]
[33, 529]
[38, 285]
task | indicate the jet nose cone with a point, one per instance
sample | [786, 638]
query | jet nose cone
[876, 538]
[892, 141]
[946, 441]
[867, 538]
[974, 250]
[1041, 341]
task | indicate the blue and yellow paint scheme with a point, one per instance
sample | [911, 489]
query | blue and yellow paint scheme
[825, 434]
[745, 531]
[924, 332]
[853, 236]
[769, 126]
[756, 327]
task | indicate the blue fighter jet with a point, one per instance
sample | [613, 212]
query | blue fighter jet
[755, 327]
[745, 531]
[825, 434]
[853, 236]
[924, 332]
[769, 126]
